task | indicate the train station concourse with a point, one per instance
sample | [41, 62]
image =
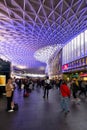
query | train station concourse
[43, 43]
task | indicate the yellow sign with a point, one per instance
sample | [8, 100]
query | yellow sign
[2, 80]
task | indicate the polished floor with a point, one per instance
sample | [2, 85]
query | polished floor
[36, 113]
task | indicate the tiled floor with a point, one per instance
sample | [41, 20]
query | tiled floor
[35, 113]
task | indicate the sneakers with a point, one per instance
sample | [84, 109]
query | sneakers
[66, 113]
[10, 110]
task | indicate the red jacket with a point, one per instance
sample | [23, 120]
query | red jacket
[65, 91]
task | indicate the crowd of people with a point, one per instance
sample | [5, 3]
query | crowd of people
[67, 89]
[73, 89]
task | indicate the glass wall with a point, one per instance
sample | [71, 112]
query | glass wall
[72, 56]
[63, 55]
[86, 42]
[75, 49]
[78, 46]
[69, 51]
[82, 44]
[66, 53]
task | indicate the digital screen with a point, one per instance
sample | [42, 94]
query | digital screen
[2, 80]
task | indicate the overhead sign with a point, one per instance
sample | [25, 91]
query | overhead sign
[65, 67]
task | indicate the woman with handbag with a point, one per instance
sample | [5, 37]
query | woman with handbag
[9, 94]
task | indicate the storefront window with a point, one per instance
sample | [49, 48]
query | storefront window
[83, 60]
[80, 62]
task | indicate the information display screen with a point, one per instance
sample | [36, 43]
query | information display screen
[2, 80]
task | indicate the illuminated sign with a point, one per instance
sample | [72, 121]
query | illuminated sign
[2, 80]
[65, 67]
[83, 75]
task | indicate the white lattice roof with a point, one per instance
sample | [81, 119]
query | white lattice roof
[27, 26]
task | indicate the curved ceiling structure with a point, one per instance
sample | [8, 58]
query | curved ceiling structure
[30, 25]
[44, 54]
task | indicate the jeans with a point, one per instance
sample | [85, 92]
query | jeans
[65, 103]
[46, 92]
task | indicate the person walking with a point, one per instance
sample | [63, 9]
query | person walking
[46, 87]
[65, 97]
[83, 88]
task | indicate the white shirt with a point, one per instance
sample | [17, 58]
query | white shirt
[47, 81]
